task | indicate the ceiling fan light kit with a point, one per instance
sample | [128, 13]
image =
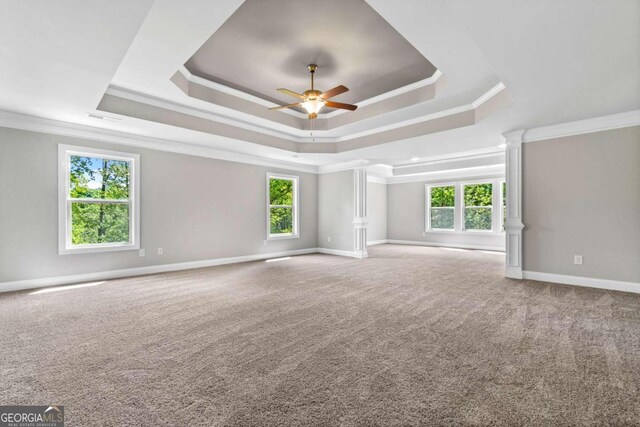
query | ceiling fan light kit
[313, 100]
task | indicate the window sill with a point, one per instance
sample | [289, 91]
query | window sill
[96, 249]
[283, 236]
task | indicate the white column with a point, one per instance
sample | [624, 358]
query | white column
[514, 226]
[360, 212]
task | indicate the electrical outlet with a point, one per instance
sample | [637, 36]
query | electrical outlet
[424, 234]
[142, 252]
[577, 259]
[160, 251]
[265, 242]
[329, 239]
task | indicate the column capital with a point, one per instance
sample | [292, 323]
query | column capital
[515, 137]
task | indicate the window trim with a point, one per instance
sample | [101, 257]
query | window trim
[428, 227]
[459, 207]
[296, 203]
[463, 205]
[64, 201]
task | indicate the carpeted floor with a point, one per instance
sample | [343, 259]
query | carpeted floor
[410, 336]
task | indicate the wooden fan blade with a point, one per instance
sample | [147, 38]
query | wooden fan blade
[280, 107]
[291, 93]
[341, 105]
[335, 91]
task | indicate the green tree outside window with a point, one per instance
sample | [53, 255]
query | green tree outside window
[478, 201]
[99, 189]
[442, 209]
[281, 208]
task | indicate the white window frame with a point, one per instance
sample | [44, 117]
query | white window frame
[295, 208]
[459, 207]
[464, 206]
[503, 218]
[428, 227]
[64, 201]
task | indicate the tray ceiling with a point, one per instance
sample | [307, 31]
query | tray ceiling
[267, 44]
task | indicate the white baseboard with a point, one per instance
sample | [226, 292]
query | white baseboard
[445, 245]
[351, 254]
[139, 271]
[590, 282]
[377, 242]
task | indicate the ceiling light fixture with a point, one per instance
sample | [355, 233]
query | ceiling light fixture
[313, 100]
[415, 159]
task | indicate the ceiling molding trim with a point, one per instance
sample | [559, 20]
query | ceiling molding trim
[579, 127]
[39, 124]
[235, 92]
[392, 93]
[339, 167]
[255, 99]
[447, 157]
[488, 95]
[452, 158]
[208, 115]
[479, 172]
[437, 115]
[376, 179]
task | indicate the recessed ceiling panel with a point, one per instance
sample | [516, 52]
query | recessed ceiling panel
[267, 44]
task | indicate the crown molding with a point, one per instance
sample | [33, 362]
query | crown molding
[459, 156]
[235, 92]
[376, 179]
[392, 93]
[255, 99]
[579, 127]
[39, 124]
[339, 167]
[275, 129]
[495, 90]
[478, 172]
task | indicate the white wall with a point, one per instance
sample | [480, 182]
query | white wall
[581, 196]
[406, 210]
[336, 210]
[195, 208]
[376, 211]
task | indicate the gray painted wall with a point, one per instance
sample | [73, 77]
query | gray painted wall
[195, 208]
[581, 196]
[406, 207]
[335, 210]
[376, 211]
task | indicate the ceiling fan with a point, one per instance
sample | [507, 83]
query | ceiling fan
[313, 100]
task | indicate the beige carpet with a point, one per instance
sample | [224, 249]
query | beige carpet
[410, 336]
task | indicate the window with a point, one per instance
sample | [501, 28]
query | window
[282, 206]
[478, 205]
[503, 186]
[98, 209]
[441, 207]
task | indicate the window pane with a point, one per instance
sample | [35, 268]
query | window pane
[281, 221]
[443, 196]
[478, 195]
[92, 177]
[280, 191]
[442, 218]
[477, 218]
[93, 223]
